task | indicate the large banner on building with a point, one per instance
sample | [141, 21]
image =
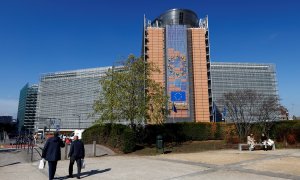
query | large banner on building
[177, 68]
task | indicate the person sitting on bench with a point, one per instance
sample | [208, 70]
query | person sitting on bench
[264, 141]
[251, 142]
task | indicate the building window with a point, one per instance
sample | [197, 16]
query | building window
[181, 18]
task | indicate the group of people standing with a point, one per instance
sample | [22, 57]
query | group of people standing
[52, 154]
[264, 141]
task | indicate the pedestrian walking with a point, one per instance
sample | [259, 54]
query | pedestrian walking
[52, 154]
[35, 137]
[76, 153]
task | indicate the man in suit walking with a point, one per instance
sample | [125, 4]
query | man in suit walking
[52, 154]
[76, 153]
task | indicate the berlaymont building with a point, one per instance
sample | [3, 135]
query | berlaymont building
[65, 99]
[177, 42]
[229, 77]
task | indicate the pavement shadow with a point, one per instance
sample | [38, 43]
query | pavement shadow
[86, 174]
[167, 152]
[101, 155]
[92, 172]
[9, 150]
[10, 164]
[63, 177]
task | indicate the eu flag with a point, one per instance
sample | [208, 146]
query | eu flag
[174, 108]
[224, 111]
[214, 108]
[178, 96]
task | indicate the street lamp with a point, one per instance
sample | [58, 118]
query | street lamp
[54, 121]
[79, 118]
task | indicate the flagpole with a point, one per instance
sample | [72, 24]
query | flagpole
[214, 109]
[173, 116]
[215, 113]
[173, 111]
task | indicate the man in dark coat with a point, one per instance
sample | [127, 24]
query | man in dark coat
[76, 153]
[52, 154]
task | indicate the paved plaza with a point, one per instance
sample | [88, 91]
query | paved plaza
[220, 164]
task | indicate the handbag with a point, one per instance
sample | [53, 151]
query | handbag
[270, 142]
[82, 164]
[42, 164]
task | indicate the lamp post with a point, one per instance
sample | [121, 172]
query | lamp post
[79, 118]
[50, 123]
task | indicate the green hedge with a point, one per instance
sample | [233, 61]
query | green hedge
[124, 138]
[283, 129]
[181, 132]
[128, 140]
[116, 136]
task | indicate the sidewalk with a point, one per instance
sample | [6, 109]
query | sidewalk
[221, 164]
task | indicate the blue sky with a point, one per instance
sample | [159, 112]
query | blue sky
[40, 36]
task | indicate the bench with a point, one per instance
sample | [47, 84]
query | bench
[240, 146]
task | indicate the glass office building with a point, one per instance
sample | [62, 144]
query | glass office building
[27, 107]
[229, 77]
[177, 42]
[66, 98]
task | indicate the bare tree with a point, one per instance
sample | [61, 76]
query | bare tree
[246, 107]
[242, 108]
[268, 113]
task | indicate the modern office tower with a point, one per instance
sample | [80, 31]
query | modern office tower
[229, 77]
[177, 43]
[66, 99]
[27, 107]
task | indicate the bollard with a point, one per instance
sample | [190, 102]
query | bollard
[28, 148]
[159, 143]
[94, 148]
[31, 153]
[66, 151]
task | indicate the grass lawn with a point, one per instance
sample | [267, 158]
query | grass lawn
[186, 147]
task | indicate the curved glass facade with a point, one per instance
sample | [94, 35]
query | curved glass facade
[67, 98]
[177, 17]
[229, 77]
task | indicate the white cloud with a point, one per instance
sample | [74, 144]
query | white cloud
[9, 107]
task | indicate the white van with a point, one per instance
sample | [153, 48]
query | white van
[77, 132]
